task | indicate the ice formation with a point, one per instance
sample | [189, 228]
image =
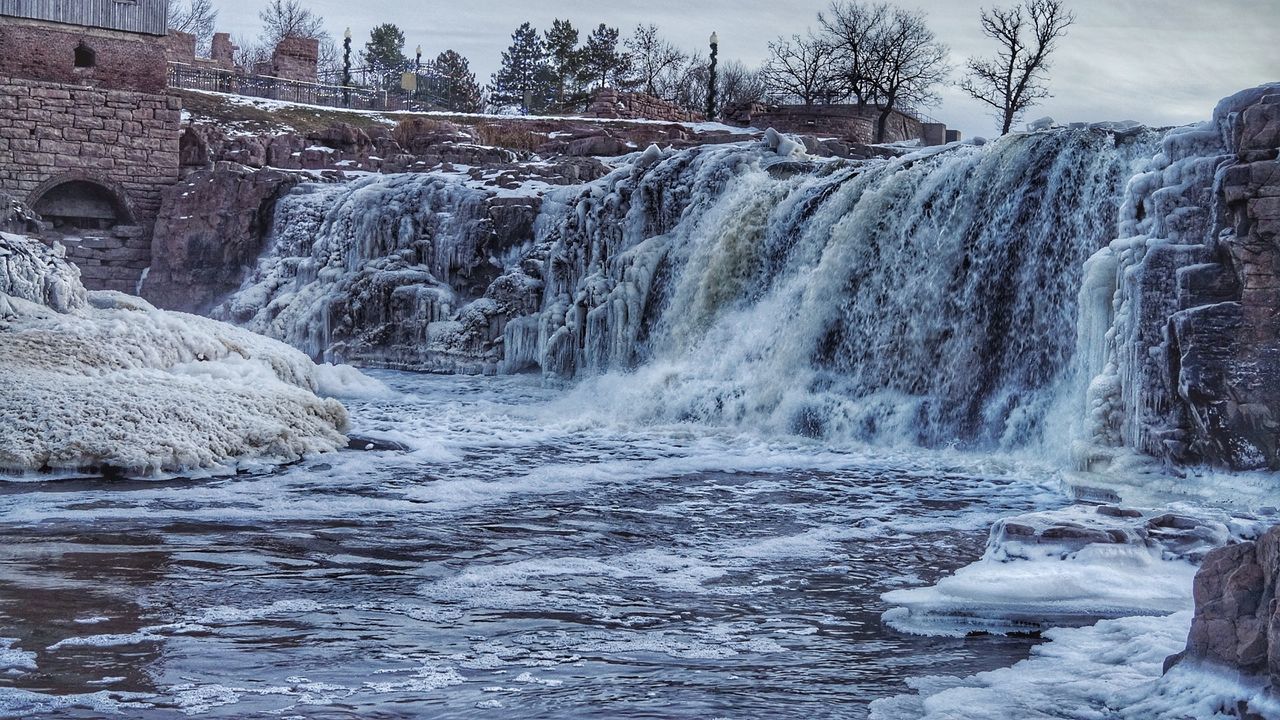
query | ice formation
[926, 299]
[105, 380]
[1071, 567]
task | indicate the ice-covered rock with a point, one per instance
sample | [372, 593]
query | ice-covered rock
[1071, 567]
[37, 273]
[115, 383]
[1043, 123]
[1184, 351]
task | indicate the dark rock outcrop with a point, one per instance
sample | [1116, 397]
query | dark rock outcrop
[211, 229]
[1237, 616]
[1225, 342]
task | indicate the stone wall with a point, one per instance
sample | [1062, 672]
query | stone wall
[293, 59]
[179, 46]
[37, 50]
[851, 123]
[613, 104]
[123, 142]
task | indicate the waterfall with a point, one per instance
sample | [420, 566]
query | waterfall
[374, 272]
[930, 299]
[925, 299]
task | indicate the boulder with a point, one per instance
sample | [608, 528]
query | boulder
[1237, 615]
[210, 230]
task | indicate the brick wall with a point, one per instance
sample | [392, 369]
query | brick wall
[126, 142]
[36, 50]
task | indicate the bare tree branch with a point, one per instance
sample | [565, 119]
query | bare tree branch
[1015, 79]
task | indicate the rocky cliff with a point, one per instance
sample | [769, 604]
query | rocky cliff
[1186, 321]
[1237, 617]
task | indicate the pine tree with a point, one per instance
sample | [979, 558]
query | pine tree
[602, 63]
[451, 84]
[524, 80]
[384, 53]
[564, 58]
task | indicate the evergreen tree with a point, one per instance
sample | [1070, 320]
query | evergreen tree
[602, 63]
[564, 58]
[384, 53]
[525, 78]
[451, 84]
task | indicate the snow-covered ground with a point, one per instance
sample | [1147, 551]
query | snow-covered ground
[105, 380]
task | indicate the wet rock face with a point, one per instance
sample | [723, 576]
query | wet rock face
[1230, 351]
[211, 228]
[1237, 617]
[1195, 344]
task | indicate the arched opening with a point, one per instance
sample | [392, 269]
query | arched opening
[85, 56]
[79, 205]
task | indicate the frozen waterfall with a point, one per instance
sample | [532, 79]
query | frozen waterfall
[926, 299]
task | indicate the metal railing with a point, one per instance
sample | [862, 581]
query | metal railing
[185, 76]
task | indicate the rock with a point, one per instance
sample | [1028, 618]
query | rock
[17, 218]
[598, 146]
[1237, 616]
[210, 230]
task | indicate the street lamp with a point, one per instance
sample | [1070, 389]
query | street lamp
[346, 68]
[711, 78]
[417, 71]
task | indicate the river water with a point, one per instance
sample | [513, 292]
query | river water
[523, 558]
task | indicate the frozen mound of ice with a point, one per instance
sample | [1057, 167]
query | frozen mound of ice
[1070, 567]
[1089, 672]
[36, 272]
[115, 383]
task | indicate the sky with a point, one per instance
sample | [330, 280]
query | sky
[1160, 62]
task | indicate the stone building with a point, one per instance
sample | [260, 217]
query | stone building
[88, 139]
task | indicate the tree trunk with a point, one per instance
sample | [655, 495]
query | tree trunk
[882, 123]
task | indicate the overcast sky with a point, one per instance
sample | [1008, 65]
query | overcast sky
[1162, 62]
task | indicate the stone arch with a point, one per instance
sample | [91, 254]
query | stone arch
[81, 201]
[85, 56]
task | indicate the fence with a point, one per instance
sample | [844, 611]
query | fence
[185, 76]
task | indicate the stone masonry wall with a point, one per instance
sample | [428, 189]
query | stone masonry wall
[126, 142]
[46, 51]
[851, 123]
[610, 103]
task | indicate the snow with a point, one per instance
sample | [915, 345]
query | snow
[114, 382]
[391, 117]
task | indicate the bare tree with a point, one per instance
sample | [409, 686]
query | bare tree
[908, 63]
[690, 89]
[196, 17]
[657, 64]
[738, 85]
[289, 18]
[854, 29]
[1014, 79]
[801, 67]
[249, 53]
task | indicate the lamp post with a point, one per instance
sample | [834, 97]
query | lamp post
[711, 78]
[417, 71]
[346, 68]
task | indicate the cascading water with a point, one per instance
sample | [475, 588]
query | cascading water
[927, 299]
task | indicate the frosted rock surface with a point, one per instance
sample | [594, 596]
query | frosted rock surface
[115, 383]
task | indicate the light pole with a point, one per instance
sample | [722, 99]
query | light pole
[417, 71]
[711, 78]
[346, 68]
